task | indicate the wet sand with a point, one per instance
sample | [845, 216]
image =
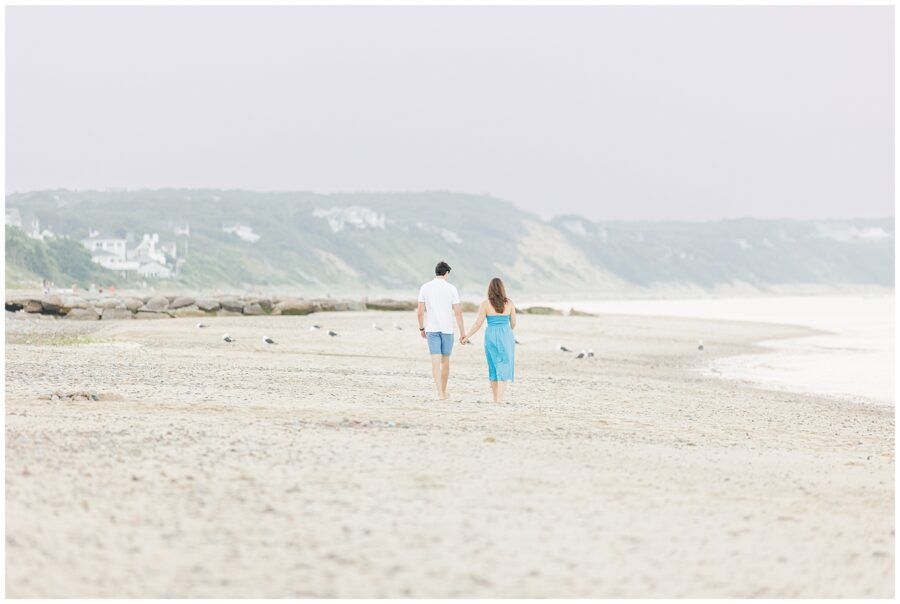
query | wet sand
[324, 467]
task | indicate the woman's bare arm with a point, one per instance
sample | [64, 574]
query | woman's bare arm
[512, 315]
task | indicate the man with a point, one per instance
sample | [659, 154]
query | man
[440, 300]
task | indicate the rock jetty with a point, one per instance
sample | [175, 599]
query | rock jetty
[96, 307]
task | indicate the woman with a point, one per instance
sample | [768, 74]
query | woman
[499, 343]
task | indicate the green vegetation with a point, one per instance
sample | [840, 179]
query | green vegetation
[61, 261]
[365, 242]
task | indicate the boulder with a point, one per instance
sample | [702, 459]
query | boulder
[580, 313]
[294, 306]
[541, 310]
[156, 304]
[327, 305]
[74, 302]
[133, 304]
[83, 314]
[33, 306]
[54, 305]
[208, 304]
[263, 303]
[229, 313]
[15, 303]
[149, 314]
[115, 314]
[253, 309]
[110, 303]
[181, 302]
[392, 305]
[232, 305]
[188, 311]
[469, 307]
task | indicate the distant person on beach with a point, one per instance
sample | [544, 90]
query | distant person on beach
[499, 342]
[438, 307]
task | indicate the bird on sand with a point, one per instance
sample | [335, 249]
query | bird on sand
[268, 340]
[314, 327]
[202, 325]
[699, 344]
[228, 338]
[332, 333]
[376, 328]
[562, 348]
[590, 354]
[397, 327]
[581, 355]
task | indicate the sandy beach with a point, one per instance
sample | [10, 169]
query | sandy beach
[324, 467]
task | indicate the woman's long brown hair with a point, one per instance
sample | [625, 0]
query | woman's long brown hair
[497, 294]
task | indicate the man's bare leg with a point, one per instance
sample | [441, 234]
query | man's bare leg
[445, 375]
[436, 372]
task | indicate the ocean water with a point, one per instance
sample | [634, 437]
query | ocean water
[854, 360]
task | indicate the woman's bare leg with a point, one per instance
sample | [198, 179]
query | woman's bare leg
[494, 391]
[501, 387]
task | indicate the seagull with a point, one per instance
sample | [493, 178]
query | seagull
[268, 340]
[376, 328]
[332, 333]
[581, 355]
[228, 338]
[202, 325]
[590, 354]
[397, 327]
[562, 348]
[699, 344]
[516, 341]
[314, 327]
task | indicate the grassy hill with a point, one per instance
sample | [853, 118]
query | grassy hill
[61, 261]
[386, 241]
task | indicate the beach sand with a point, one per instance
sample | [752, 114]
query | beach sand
[324, 467]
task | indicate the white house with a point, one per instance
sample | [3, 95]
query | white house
[13, 218]
[148, 250]
[113, 246]
[241, 230]
[154, 270]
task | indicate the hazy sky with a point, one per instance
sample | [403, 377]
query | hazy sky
[611, 112]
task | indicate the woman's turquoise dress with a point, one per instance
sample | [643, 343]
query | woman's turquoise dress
[500, 348]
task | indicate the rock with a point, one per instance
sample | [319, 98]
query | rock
[110, 303]
[469, 307]
[580, 313]
[181, 302]
[327, 305]
[149, 314]
[229, 313]
[253, 309]
[391, 305]
[263, 303]
[541, 310]
[71, 302]
[208, 304]
[115, 314]
[33, 306]
[294, 306]
[133, 304]
[83, 314]
[156, 304]
[232, 305]
[188, 311]
[54, 305]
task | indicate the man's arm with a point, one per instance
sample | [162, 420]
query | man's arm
[420, 315]
[457, 310]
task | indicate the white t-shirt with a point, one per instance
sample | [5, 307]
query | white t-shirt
[439, 298]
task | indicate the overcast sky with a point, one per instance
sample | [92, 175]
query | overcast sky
[611, 112]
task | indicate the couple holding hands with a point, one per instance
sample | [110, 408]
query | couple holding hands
[439, 306]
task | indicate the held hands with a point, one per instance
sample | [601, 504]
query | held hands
[463, 339]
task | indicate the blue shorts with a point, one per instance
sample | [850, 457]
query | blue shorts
[439, 343]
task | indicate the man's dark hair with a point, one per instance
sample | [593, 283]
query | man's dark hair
[441, 269]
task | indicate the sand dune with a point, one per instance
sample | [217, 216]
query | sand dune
[323, 467]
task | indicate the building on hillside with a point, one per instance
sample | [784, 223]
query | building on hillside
[241, 230]
[183, 230]
[148, 250]
[154, 270]
[14, 218]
